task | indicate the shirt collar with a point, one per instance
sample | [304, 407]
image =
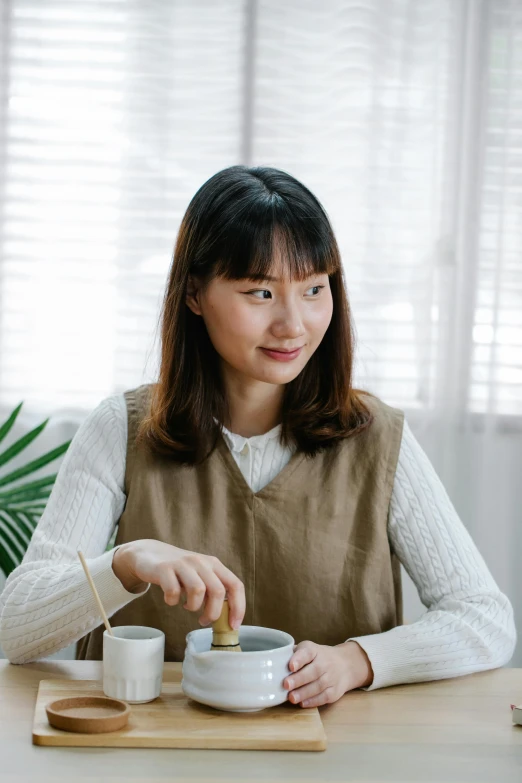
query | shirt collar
[236, 442]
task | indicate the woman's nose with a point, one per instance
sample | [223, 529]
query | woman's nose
[288, 324]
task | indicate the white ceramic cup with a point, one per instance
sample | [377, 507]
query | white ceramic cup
[133, 663]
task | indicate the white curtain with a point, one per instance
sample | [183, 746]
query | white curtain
[403, 116]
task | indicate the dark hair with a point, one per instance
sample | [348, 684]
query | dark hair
[230, 229]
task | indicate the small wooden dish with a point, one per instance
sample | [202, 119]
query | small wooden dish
[88, 714]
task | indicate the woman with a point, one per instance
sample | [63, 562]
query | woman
[253, 466]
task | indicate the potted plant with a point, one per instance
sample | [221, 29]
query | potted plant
[22, 502]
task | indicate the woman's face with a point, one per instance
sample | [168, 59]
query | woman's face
[246, 319]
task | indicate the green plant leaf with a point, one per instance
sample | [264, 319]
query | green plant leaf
[43, 483]
[10, 524]
[14, 547]
[35, 465]
[7, 563]
[27, 526]
[35, 510]
[33, 521]
[22, 505]
[35, 494]
[6, 426]
[21, 443]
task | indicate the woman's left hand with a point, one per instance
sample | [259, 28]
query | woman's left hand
[321, 674]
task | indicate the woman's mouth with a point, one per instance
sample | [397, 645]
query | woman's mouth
[282, 356]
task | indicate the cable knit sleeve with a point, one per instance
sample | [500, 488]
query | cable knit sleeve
[469, 624]
[47, 603]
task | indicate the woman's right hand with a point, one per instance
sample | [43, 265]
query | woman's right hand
[202, 578]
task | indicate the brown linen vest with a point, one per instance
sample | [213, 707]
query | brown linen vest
[311, 547]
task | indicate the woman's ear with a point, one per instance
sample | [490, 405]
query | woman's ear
[192, 297]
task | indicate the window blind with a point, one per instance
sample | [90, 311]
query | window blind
[496, 377]
[114, 113]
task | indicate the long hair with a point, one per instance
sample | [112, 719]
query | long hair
[230, 229]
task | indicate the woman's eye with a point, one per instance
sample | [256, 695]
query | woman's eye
[316, 288]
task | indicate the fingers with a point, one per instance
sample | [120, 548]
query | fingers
[305, 653]
[215, 596]
[235, 592]
[193, 584]
[205, 581]
[312, 688]
[308, 673]
[318, 675]
[325, 697]
[170, 585]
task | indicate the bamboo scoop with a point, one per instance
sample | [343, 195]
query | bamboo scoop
[224, 638]
[95, 592]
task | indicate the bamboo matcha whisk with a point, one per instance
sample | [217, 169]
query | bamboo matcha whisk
[224, 638]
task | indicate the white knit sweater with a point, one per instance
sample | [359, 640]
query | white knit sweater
[47, 603]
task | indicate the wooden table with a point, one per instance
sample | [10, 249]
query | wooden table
[449, 731]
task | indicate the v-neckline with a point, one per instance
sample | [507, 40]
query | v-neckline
[294, 461]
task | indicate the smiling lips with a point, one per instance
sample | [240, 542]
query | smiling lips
[282, 356]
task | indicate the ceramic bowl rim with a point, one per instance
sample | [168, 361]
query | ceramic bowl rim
[285, 637]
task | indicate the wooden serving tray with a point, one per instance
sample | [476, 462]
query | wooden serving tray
[174, 721]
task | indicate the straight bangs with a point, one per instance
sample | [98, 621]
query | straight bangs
[304, 244]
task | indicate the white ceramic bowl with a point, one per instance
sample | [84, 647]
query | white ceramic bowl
[247, 681]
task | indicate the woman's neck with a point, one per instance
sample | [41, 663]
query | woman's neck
[254, 409]
[249, 428]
